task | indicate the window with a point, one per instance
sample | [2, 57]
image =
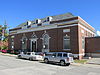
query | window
[66, 30]
[38, 21]
[66, 42]
[82, 31]
[64, 55]
[49, 18]
[59, 54]
[28, 53]
[12, 43]
[54, 54]
[28, 22]
[46, 41]
[83, 43]
[24, 42]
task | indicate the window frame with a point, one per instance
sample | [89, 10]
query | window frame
[83, 43]
[45, 42]
[12, 43]
[68, 39]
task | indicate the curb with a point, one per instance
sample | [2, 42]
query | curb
[76, 64]
[10, 55]
[79, 64]
[94, 63]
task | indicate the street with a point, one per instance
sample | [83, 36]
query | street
[14, 66]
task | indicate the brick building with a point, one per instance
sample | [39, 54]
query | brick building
[60, 33]
[93, 46]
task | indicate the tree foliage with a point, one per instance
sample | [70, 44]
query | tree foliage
[3, 37]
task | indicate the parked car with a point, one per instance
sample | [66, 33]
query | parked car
[13, 52]
[63, 58]
[30, 56]
[40, 53]
[4, 51]
[9, 51]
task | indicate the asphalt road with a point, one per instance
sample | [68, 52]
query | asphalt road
[14, 66]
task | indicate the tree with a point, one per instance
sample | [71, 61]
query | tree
[3, 36]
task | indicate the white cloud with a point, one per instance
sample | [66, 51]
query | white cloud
[98, 33]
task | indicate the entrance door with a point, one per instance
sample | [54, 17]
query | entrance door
[33, 44]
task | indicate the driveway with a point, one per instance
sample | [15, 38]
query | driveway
[13, 66]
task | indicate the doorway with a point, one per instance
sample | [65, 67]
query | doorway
[33, 45]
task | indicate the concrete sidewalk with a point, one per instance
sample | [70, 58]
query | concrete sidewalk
[94, 61]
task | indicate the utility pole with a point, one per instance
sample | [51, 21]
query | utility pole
[4, 30]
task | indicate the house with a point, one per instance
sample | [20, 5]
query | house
[59, 33]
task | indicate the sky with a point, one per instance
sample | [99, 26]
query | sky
[16, 12]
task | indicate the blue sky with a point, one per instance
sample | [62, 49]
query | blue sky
[16, 12]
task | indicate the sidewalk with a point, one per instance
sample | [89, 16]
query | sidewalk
[94, 61]
[77, 64]
[7, 54]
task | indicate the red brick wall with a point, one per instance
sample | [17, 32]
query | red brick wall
[93, 45]
[56, 39]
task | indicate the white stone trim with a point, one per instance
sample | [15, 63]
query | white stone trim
[45, 27]
[82, 31]
[37, 29]
[67, 22]
[66, 49]
[66, 30]
[93, 54]
[51, 26]
[33, 25]
[46, 23]
[33, 39]
[76, 55]
[85, 28]
[85, 21]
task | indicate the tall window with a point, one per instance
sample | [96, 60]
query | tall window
[24, 42]
[83, 43]
[48, 18]
[66, 42]
[36, 21]
[46, 41]
[12, 43]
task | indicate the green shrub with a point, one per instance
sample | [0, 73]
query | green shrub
[4, 47]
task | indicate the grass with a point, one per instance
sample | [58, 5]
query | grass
[80, 61]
